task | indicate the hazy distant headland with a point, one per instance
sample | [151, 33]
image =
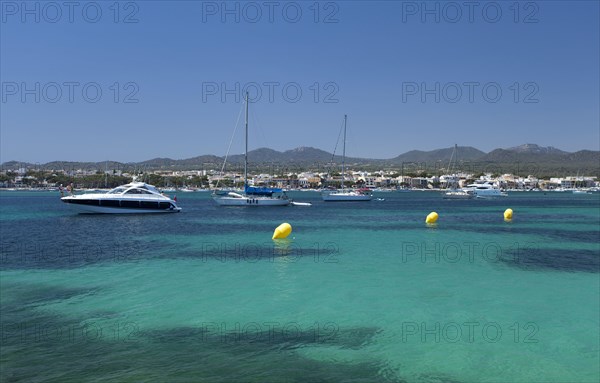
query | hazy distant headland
[520, 160]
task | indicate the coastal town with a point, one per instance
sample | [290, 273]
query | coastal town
[198, 180]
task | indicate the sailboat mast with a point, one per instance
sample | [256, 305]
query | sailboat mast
[246, 150]
[450, 163]
[344, 154]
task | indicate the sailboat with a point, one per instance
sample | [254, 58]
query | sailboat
[251, 196]
[454, 192]
[576, 190]
[346, 195]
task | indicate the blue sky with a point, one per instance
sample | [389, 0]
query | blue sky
[169, 73]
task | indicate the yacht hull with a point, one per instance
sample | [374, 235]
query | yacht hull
[84, 209]
[484, 190]
[119, 206]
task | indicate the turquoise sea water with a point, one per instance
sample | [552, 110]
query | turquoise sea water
[360, 292]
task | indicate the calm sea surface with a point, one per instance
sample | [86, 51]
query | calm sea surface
[360, 292]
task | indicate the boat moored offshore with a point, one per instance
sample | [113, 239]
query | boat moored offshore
[344, 195]
[484, 190]
[135, 197]
[251, 196]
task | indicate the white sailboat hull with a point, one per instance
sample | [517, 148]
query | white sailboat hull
[489, 194]
[345, 196]
[251, 201]
[582, 192]
[458, 195]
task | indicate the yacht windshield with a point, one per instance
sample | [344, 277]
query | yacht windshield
[117, 191]
[138, 191]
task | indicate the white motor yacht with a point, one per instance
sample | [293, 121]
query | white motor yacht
[484, 190]
[136, 197]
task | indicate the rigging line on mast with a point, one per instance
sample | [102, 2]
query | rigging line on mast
[336, 145]
[230, 142]
[450, 167]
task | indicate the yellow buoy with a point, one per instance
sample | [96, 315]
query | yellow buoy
[431, 217]
[508, 213]
[282, 231]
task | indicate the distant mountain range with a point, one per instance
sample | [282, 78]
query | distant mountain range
[524, 159]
